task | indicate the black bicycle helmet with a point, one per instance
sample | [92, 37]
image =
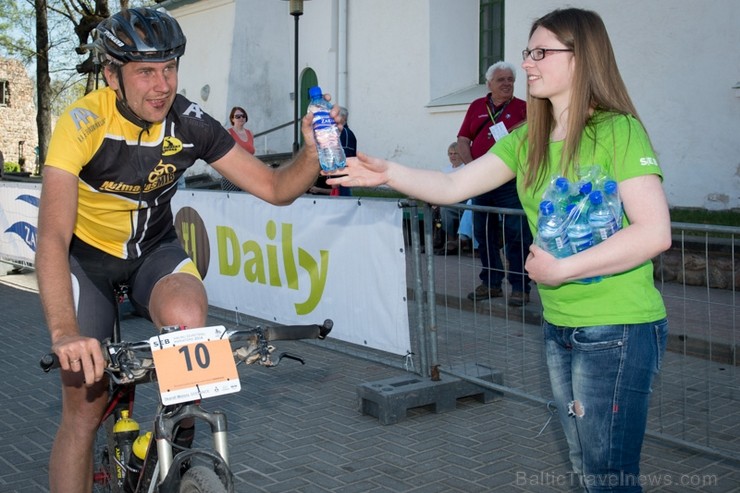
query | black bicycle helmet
[140, 35]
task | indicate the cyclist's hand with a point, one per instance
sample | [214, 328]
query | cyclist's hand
[80, 354]
[307, 122]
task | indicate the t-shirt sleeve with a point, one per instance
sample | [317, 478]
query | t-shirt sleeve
[510, 149]
[633, 152]
[465, 130]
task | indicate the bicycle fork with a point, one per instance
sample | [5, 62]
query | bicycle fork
[170, 463]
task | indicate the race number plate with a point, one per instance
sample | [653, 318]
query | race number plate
[194, 364]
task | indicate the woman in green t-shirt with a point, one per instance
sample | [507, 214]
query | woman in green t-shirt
[604, 340]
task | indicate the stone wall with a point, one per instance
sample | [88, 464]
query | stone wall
[18, 119]
[717, 269]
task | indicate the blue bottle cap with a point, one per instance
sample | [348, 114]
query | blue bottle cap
[547, 207]
[610, 186]
[596, 197]
[315, 92]
[562, 185]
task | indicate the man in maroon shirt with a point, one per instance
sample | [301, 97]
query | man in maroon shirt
[487, 120]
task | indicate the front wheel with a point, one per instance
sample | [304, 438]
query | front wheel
[200, 479]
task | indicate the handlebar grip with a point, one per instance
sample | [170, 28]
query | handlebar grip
[49, 362]
[296, 332]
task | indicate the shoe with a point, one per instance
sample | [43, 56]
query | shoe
[466, 246]
[483, 292]
[450, 248]
[518, 298]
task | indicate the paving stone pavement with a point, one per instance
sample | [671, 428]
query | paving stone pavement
[299, 429]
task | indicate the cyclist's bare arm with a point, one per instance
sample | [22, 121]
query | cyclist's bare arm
[57, 216]
[278, 186]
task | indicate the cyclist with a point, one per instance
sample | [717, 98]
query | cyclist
[113, 165]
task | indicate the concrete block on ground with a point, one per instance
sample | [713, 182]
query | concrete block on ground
[391, 398]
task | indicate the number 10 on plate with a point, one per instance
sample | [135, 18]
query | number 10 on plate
[194, 364]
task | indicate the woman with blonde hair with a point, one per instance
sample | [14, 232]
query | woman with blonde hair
[604, 340]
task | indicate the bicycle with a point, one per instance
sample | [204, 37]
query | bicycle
[166, 466]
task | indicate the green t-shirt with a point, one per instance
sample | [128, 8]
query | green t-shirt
[620, 145]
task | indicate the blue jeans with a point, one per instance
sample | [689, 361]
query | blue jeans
[450, 220]
[601, 379]
[516, 239]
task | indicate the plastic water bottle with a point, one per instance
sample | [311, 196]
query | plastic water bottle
[600, 218]
[579, 231]
[558, 193]
[611, 197]
[138, 452]
[125, 431]
[325, 132]
[551, 234]
[579, 191]
[580, 234]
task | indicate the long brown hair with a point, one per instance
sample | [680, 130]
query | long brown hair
[596, 85]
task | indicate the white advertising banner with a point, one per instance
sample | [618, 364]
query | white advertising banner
[19, 209]
[321, 257]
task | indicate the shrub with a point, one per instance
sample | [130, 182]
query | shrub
[11, 167]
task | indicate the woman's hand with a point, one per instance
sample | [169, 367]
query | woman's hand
[361, 171]
[542, 267]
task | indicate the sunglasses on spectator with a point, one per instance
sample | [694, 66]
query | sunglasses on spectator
[240, 116]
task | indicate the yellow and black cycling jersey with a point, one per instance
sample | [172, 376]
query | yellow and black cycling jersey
[128, 173]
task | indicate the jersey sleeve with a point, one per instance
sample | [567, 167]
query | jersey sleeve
[77, 135]
[211, 139]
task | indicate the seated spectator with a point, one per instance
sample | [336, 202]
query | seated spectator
[450, 218]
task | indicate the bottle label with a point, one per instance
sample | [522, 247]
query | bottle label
[322, 120]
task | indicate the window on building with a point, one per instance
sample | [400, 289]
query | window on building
[4, 93]
[491, 35]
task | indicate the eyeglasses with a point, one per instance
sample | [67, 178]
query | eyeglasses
[539, 53]
[240, 116]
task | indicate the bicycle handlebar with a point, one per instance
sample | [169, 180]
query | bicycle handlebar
[283, 332]
[258, 337]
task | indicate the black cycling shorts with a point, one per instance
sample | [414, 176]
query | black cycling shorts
[96, 276]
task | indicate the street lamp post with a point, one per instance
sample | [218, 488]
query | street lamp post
[296, 10]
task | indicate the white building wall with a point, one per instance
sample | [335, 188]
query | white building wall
[680, 60]
[203, 72]
[411, 71]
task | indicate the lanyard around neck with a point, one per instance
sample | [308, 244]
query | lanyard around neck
[490, 106]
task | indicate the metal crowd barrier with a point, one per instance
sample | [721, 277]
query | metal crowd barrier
[695, 398]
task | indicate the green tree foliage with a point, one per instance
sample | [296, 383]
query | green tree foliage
[70, 23]
[50, 36]
[17, 28]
